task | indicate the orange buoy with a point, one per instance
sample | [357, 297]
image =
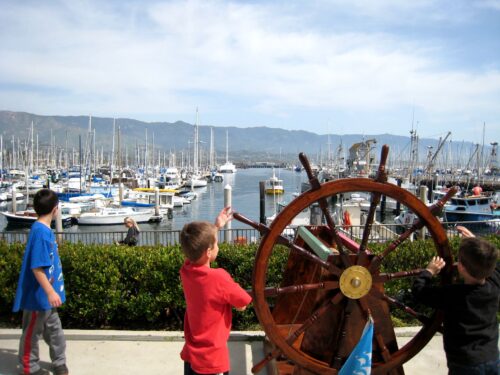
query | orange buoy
[240, 240]
[477, 190]
[346, 219]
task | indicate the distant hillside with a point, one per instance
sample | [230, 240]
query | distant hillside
[255, 143]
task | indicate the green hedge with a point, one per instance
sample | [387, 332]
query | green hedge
[112, 286]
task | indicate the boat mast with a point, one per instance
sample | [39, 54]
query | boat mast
[195, 151]
[31, 147]
[14, 159]
[146, 161]
[227, 146]
[111, 164]
[212, 156]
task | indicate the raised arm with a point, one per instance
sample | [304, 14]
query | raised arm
[224, 217]
[464, 231]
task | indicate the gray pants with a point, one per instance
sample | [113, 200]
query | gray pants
[35, 325]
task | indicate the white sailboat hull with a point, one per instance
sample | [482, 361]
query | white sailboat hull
[114, 216]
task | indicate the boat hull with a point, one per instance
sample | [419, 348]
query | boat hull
[275, 191]
[98, 218]
[26, 220]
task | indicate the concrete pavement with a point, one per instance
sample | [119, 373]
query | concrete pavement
[157, 353]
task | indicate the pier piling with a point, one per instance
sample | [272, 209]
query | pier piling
[59, 226]
[262, 201]
[14, 202]
[227, 202]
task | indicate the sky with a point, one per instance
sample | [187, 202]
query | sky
[325, 66]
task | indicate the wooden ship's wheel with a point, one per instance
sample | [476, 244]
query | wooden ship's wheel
[314, 319]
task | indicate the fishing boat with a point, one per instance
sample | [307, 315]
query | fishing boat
[471, 208]
[114, 216]
[274, 185]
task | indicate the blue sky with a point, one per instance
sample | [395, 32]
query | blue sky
[337, 66]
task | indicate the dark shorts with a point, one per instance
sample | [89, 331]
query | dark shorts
[189, 371]
[487, 368]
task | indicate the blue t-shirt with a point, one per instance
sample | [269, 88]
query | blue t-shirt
[41, 252]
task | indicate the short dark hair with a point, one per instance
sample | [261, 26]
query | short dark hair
[196, 237]
[44, 201]
[479, 257]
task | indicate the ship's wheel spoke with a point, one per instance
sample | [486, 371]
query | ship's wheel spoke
[385, 277]
[276, 291]
[436, 208]
[268, 358]
[313, 181]
[339, 354]
[374, 202]
[400, 305]
[313, 318]
[379, 341]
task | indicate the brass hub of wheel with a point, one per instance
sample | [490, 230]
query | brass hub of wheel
[355, 282]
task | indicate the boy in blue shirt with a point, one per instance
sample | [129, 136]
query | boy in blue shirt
[41, 290]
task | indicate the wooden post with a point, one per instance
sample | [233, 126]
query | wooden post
[59, 227]
[262, 201]
[14, 203]
[157, 202]
[398, 203]
[383, 204]
[423, 198]
[227, 202]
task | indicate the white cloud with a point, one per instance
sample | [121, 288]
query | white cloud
[167, 57]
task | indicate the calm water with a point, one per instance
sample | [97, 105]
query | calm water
[245, 200]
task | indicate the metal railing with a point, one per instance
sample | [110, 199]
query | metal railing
[379, 233]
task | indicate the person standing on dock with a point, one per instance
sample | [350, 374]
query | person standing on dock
[40, 291]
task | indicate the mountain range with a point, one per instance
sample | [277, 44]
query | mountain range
[245, 144]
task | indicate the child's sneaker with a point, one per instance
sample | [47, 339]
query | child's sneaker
[61, 370]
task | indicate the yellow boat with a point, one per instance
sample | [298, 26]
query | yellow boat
[152, 190]
[274, 186]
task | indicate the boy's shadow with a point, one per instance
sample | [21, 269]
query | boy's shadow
[8, 362]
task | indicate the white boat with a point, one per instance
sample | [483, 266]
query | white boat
[227, 167]
[196, 181]
[114, 216]
[303, 218]
[7, 196]
[141, 198]
[179, 201]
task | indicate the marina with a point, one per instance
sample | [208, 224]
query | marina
[209, 201]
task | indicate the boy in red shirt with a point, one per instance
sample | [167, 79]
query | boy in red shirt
[210, 294]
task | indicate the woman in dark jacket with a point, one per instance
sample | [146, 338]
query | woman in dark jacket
[132, 236]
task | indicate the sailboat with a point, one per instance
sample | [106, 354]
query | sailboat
[196, 180]
[227, 167]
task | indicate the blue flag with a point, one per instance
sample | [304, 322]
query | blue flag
[360, 360]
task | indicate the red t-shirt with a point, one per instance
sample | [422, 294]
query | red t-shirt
[210, 293]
